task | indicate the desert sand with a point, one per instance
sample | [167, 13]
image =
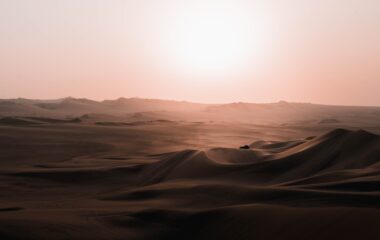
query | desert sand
[155, 169]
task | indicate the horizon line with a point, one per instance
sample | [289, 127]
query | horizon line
[187, 101]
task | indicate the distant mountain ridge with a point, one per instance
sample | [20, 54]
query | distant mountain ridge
[181, 110]
[80, 106]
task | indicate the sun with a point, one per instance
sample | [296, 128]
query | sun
[213, 37]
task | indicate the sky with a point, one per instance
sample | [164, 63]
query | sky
[212, 51]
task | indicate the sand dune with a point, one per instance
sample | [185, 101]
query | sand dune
[153, 169]
[337, 151]
[322, 187]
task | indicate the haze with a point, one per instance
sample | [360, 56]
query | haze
[205, 51]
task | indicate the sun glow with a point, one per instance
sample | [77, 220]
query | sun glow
[217, 37]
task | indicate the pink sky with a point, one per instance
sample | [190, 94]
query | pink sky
[325, 51]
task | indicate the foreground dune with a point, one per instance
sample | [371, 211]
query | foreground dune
[69, 180]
